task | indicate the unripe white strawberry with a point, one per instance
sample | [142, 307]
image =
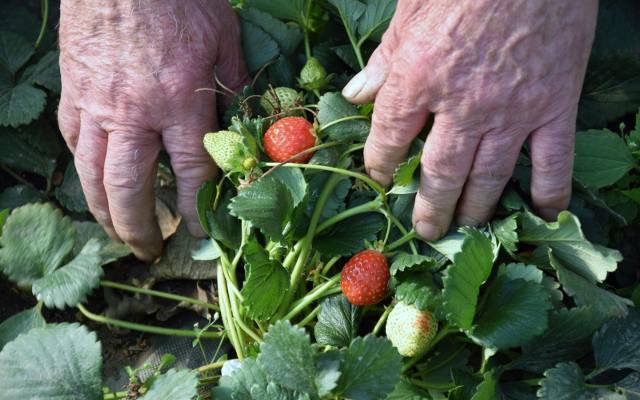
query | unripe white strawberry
[281, 99]
[228, 150]
[410, 329]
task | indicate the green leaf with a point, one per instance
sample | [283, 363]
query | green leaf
[566, 339]
[46, 72]
[630, 386]
[506, 232]
[70, 285]
[257, 46]
[3, 217]
[218, 223]
[19, 104]
[486, 390]
[335, 203]
[35, 241]
[405, 390]
[450, 244]
[207, 251]
[19, 195]
[403, 261]
[515, 312]
[331, 107]
[287, 37]
[61, 361]
[376, 18]
[174, 385]
[15, 51]
[287, 357]
[350, 12]
[370, 369]
[601, 158]
[569, 245]
[266, 203]
[110, 250]
[448, 356]
[293, 10]
[17, 152]
[419, 289]
[249, 382]
[404, 180]
[617, 344]
[462, 280]
[563, 382]
[337, 322]
[611, 87]
[20, 323]
[605, 304]
[350, 235]
[70, 193]
[328, 365]
[266, 283]
[293, 180]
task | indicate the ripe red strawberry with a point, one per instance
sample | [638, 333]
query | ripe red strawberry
[288, 137]
[365, 278]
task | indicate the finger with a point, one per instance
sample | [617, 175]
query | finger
[89, 157]
[191, 164]
[492, 168]
[398, 117]
[552, 159]
[230, 67]
[68, 121]
[446, 160]
[364, 87]
[129, 175]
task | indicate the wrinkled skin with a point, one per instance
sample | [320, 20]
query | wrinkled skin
[130, 70]
[494, 74]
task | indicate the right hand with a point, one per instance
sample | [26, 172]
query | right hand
[130, 71]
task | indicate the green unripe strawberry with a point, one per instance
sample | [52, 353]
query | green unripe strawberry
[228, 150]
[281, 99]
[410, 329]
[313, 76]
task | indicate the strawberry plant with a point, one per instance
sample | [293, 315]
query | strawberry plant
[323, 289]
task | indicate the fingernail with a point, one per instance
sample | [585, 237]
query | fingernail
[355, 85]
[549, 213]
[380, 177]
[427, 231]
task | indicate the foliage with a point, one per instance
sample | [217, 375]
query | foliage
[527, 308]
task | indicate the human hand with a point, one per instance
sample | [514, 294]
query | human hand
[494, 73]
[130, 71]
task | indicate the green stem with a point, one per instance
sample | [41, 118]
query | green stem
[310, 316]
[531, 382]
[44, 8]
[209, 367]
[444, 332]
[341, 120]
[291, 257]
[382, 320]
[146, 328]
[409, 236]
[330, 264]
[155, 293]
[373, 205]
[115, 396]
[315, 294]
[372, 184]
[402, 230]
[225, 312]
[307, 45]
[353, 41]
[298, 268]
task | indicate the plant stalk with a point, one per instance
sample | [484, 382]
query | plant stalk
[156, 293]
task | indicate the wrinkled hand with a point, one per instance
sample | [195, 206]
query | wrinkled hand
[494, 73]
[130, 70]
